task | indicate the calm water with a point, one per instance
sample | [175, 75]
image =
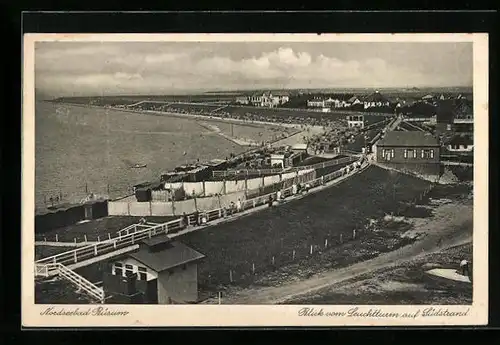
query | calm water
[79, 147]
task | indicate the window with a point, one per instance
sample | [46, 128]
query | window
[117, 269]
[388, 154]
[410, 153]
[426, 154]
[448, 127]
[129, 270]
[142, 273]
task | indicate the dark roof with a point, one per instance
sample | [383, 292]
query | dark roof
[341, 96]
[445, 112]
[413, 138]
[171, 254]
[462, 108]
[154, 241]
[375, 97]
[461, 140]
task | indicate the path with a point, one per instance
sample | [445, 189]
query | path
[216, 130]
[298, 138]
[452, 223]
[457, 163]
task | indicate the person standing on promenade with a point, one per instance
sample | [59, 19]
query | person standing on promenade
[238, 205]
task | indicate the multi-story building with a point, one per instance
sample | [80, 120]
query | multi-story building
[268, 99]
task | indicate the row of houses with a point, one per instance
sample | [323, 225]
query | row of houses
[265, 99]
[375, 99]
[442, 97]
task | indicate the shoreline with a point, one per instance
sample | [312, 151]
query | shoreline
[246, 145]
[194, 116]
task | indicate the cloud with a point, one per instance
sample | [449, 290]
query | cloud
[141, 68]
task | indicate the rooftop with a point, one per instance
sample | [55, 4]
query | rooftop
[410, 138]
[375, 97]
[461, 140]
[161, 253]
[445, 111]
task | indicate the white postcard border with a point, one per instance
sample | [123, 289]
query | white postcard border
[262, 315]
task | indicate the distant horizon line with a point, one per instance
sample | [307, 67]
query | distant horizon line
[212, 91]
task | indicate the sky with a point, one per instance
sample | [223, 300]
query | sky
[114, 68]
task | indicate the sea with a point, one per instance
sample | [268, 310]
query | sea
[81, 150]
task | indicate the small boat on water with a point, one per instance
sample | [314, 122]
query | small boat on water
[132, 165]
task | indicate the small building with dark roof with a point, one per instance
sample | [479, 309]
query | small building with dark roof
[411, 151]
[460, 143]
[376, 99]
[161, 271]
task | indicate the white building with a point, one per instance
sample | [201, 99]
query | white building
[316, 103]
[355, 121]
[267, 99]
[278, 159]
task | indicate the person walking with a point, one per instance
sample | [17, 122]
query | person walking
[238, 205]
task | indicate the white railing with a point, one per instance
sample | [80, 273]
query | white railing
[111, 245]
[48, 266]
[127, 230]
[73, 277]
